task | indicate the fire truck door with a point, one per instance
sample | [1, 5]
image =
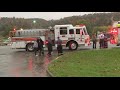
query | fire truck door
[63, 34]
[80, 36]
[71, 34]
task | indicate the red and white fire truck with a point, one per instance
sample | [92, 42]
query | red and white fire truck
[115, 33]
[71, 36]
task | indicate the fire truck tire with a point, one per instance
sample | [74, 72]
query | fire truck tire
[118, 45]
[73, 45]
[29, 47]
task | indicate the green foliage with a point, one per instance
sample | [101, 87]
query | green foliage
[93, 22]
[100, 29]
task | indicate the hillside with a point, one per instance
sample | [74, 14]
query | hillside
[94, 22]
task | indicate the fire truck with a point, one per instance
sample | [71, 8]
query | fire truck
[71, 36]
[115, 33]
[24, 39]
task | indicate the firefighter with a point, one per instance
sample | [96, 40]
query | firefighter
[59, 46]
[49, 46]
[41, 43]
[35, 46]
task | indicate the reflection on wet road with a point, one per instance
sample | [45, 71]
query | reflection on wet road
[18, 63]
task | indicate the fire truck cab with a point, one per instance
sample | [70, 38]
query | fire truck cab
[72, 37]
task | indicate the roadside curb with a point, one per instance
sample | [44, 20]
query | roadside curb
[48, 72]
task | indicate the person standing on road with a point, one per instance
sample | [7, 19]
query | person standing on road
[49, 46]
[41, 43]
[35, 46]
[39, 46]
[59, 46]
[94, 40]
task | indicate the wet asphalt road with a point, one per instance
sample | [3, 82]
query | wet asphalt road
[19, 63]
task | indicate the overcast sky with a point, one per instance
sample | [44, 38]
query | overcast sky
[43, 15]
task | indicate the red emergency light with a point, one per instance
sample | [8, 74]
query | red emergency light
[46, 42]
[14, 30]
[114, 31]
[81, 25]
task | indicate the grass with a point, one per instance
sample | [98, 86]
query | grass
[89, 63]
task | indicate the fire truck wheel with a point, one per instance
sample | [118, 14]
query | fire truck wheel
[118, 45]
[29, 47]
[73, 45]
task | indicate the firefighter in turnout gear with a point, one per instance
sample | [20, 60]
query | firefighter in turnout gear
[59, 46]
